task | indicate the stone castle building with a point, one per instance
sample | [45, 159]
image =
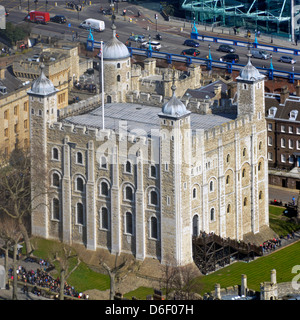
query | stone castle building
[143, 174]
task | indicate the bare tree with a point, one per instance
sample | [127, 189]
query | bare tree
[16, 200]
[119, 271]
[11, 234]
[63, 254]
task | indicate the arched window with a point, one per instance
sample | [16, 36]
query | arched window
[228, 158]
[103, 163]
[79, 158]
[194, 193]
[244, 152]
[128, 223]
[55, 209]
[153, 198]
[79, 213]
[55, 154]
[211, 186]
[244, 173]
[195, 225]
[104, 218]
[128, 167]
[259, 166]
[79, 184]
[118, 65]
[128, 193]
[55, 180]
[104, 189]
[153, 228]
[228, 208]
[108, 99]
[212, 214]
[118, 78]
[260, 195]
[260, 145]
[245, 201]
[227, 179]
[153, 171]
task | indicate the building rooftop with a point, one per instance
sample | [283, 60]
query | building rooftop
[140, 119]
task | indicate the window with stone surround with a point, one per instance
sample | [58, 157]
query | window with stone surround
[195, 225]
[104, 189]
[153, 197]
[55, 154]
[128, 193]
[55, 180]
[79, 158]
[79, 184]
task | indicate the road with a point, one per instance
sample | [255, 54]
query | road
[172, 38]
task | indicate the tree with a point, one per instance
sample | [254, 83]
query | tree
[11, 234]
[63, 254]
[119, 271]
[16, 200]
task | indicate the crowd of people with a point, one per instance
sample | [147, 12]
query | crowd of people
[272, 244]
[41, 279]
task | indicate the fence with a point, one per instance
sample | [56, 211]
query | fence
[210, 63]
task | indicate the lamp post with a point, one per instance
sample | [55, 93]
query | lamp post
[209, 58]
[271, 68]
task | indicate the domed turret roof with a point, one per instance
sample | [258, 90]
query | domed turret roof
[42, 85]
[115, 49]
[249, 72]
[174, 107]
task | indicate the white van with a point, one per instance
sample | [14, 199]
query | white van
[155, 45]
[260, 54]
[93, 24]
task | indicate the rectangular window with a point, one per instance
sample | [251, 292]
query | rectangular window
[16, 110]
[26, 106]
[290, 129]
[270, 156]
[6, 132]
[282, 128]
[270, 127]
[6, 114]
[16, 128]
[26, 124]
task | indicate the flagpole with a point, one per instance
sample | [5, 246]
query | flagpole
[102, 83]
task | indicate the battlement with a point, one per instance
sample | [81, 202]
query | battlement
[80, 107]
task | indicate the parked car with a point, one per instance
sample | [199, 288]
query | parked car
[137, 38]
[155, 45]
[230, 57]
[287, 59]
[59, 19]
[190, 52]
[226, 48]
[191, 43]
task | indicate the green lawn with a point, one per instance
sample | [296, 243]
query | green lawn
[256, 271]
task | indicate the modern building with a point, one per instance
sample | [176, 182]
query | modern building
[283, 125]
[278, 17]
[142, 174]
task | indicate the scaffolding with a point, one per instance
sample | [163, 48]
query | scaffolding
[268, 16]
